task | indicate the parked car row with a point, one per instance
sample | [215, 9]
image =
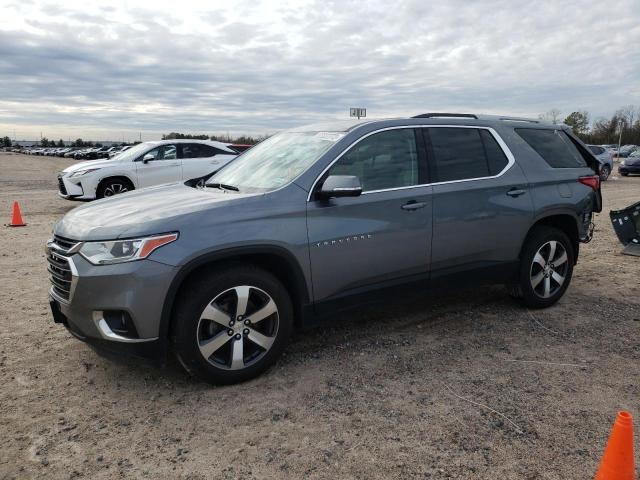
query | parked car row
[79, 153]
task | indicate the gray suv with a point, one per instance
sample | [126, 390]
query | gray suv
[318, 219]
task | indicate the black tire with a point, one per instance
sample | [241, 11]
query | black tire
[624, 174]
[113, 186]
[199, 294]
[540, 241]
[605, 171]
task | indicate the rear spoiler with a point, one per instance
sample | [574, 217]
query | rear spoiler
[626, 223]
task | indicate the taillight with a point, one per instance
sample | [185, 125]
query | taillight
[592, 181]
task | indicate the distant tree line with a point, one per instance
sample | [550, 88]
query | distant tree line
[243, 139]
[602, 130]
[5, 142]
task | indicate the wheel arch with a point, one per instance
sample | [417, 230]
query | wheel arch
[114, 177]
[276, 260]
[565, 222]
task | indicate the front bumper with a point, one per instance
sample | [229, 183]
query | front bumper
[81, 188]
[137, 288]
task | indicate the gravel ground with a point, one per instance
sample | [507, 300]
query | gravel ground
[463, 384]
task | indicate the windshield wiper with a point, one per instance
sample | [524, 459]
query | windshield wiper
[223, 186]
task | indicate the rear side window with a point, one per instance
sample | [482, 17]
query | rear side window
[198, 150]
[554, 146]
[596, 150]
[465, 153]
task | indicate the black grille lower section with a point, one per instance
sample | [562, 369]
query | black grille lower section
[61, 187]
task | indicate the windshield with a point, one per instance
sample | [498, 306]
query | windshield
[133, 152]
[274, 162]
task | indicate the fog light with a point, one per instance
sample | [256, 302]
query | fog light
[120, 323]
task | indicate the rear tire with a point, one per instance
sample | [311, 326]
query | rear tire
[605, 171]
[218, 333]
[546, 267]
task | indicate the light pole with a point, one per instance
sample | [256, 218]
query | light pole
[620, 123]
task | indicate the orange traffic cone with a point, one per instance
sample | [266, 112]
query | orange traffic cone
[16, 218]
[617, 461]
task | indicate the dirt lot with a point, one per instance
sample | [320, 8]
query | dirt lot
[464, 385]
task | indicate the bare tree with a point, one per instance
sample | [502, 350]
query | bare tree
[552, 116]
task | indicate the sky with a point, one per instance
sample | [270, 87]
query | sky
[128, 69]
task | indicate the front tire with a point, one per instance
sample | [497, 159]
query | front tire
[113, 186]
[605, 171]
[546, 267]
[232, 324]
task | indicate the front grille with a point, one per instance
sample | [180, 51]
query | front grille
[60, 274]
[59, 267]
[63, 189]
[65, 243]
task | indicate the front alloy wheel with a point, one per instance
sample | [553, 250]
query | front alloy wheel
[231, 323]
[238, 327]
[114, 189]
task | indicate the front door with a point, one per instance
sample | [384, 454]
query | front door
[163, 167]
[384, 234]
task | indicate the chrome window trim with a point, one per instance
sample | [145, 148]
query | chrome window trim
[505, 149]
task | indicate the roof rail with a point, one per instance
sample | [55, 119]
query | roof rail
[435, 115]
[519, 119]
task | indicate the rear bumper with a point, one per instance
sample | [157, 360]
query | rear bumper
[629, 169]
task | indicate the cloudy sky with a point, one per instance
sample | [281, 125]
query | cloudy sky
[104, 70]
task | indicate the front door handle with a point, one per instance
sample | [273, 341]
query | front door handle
[413, 205]
[516, 192]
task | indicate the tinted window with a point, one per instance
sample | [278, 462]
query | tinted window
[383, 160]
[554, 146]
[459, 154]
[496, 158]
[596, 150]
[199, 150]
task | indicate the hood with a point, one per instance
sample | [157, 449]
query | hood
[91, 164]
[149, 211]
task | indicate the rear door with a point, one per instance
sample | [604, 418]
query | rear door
[482, 207]
[164, 167]
[357, 243]
[199, 159]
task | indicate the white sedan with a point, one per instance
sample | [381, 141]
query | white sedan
[144, 165]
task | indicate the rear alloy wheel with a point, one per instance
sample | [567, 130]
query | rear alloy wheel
[546, 267]
[232, 324]
[605, 171]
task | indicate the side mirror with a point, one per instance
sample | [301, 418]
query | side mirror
[340, 186]
[148, 157]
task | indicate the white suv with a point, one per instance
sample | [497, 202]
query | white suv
[146, 164]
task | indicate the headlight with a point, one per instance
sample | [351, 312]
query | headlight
[622, 162]
[119, 251]
[79, 173]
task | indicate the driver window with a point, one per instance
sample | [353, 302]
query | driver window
[384, 160]
[169, 152]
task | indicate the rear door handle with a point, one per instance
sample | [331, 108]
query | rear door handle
[413, 205]
[516, 192]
